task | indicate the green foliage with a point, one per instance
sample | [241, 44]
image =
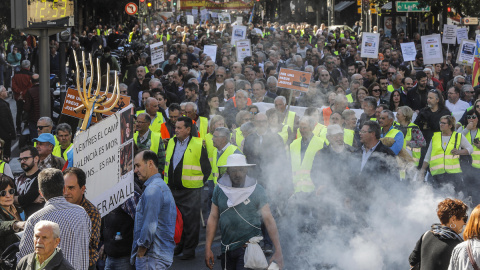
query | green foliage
[466, 8]
[5, 22]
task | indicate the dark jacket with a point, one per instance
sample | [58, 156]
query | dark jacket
[7, 234]
[7, 128]
[432, 253]
[417, 99]
[135, 87]
[58, 262]
[21, 82]
[429, 122]
[32, 104]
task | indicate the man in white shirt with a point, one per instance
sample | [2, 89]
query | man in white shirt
[454, 104]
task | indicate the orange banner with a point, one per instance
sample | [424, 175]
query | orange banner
[293, 79]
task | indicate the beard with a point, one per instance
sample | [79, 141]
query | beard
[27, 167]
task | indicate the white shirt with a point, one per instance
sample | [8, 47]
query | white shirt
[459, 106]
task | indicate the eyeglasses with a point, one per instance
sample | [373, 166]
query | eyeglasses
[471, 116]
[330, 62]
[196, 66]
[462, 83]
[254, 113]
[41, 127]
[220, 75]
[477, 106]
[208, 65]
[363, 132]
[3, 193]
[390, 73]
[23, 159]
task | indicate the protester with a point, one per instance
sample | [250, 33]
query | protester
[45, 145]
[462, 258]
[4, 166]
[10, 220]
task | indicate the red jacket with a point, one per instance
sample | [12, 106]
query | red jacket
[21, 82]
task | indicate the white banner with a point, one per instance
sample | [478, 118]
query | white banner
[370, 43]
[156, 53]
[409, 51]
[432, 49]
[466, 52]
[211, 50]
[105, 153]
[243, 49]
[449, 34]
[462, 33]
[239, 32]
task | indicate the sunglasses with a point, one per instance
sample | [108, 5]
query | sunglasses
[390, 73]
[208, 65]
[376, 90]
[220, 75]
[41, 127]
[3, 193]
[471, 117]
[462, 83]
[194, 66]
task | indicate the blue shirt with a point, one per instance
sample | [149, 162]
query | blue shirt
[155, 221]
[366, 154]
[398, 144]
[180, 148]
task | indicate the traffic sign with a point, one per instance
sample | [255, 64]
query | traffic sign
[470, 21]
[131, 8]
[411, 6]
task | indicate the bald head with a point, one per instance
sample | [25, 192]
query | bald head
[151, 106]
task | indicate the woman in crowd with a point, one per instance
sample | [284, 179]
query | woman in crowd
[472, 170]
[460, 259]
[414, 139]
[10, 220]
[434, 248]
[213, 104]
[362, 93]
[253, 109]
[395, 101]
[375, 91]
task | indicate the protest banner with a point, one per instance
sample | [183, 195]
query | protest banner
[294, 80]
[224, 17]
[214, 15]
[211, 50]
[449, 34]
[73, 100]
[157, 53]
[243, 49]
[105, 153]
[370, 43]
[432, 49]
[466, 52]
[195, 12]
[462, 33]
[239, 32]
[409, 51]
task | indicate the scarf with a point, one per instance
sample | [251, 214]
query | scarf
[236, 195]
[444, 232]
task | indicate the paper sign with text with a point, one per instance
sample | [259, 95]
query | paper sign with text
[157, 53]
[462, 33]
[211, 50]
[449, 34]
[432, 49]
[105, 153]
[370, 43]
[466, 52]
[408, 51]
[239, 32]
[294, 79]
[243, 49]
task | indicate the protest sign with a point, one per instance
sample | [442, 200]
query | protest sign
[224, 17]
[105, 153]
[195, 12]
[239, 20]
[72, 101]
[370, 42]
[466, 52]
[462, 33]
[243, 49]
[190, 19]
[157, 53]
[214, 15]
[409, 51]
[211, 50]
[293, 79]
[449, 34]
[432, 49]
[239, 32]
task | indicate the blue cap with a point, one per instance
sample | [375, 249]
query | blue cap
[45, 137]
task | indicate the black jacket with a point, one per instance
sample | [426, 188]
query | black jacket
[58, 262]
[417, 99]
[432, 253]
[7, 128]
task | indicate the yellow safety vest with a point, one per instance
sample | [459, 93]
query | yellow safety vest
[301, 168]
[349, 97]
[416, 152]
[203, 126]
[210, 150]
[155, 139]
[57, 151]
[222, 161]
[238, 137]
[391, 89]
[291, 119]
[319, 131]
[157, 123]
[348, 136]
[192, 175]
[130, 36]
[476, 150]
[392, 133]
[444, 161]
[2, 166]
[284, 133]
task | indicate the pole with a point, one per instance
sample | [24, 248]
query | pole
[288, 108]
[45, 104]
[63, 75]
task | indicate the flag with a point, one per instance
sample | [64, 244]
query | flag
[476, 62]
[251, 15]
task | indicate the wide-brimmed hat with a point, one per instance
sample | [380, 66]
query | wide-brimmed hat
[236, 160]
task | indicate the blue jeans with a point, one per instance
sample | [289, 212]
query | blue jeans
[122, 263]
[150, 263]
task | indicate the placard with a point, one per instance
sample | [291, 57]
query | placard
[211, 50]
[105, 153]
[409, 51]
[370, 43]
[224, 17]
[243, 49]
[294, 79]
[462, 33]
[432, 49]
[195, 12]
[72, 101]
[190, 19]
[214, 14]
[466, 52]
[239, 20]
[449, 34]
[239, 32]
[157, 53]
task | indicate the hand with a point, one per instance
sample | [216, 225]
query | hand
[209, 258]
[470, 126]
[455, 151]
[20, 225]
[39, 199]
[141, 251]
[101, 253]
[277, 258]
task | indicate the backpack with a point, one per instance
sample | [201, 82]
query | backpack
[178, 227]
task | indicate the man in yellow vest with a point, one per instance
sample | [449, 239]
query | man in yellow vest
[146, 139]
[201, 122]
[64, 135]
[187, 168]
[224, 149]
[151, 108]
[389, 131]
[290, 118]
[45, 125]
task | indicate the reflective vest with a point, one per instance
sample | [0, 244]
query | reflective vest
[238, 137]
[57, 151]
[348, 136]
[192, 175]
[319, 131]
[284, 133]
[222, 161]
[416, 152]
[291, 119]
[301, 168]
[2, 166]
[349, 97]
[164, 131]
[444, 161]
[210, 150]
[130, 36]
[155, 139]
[157, 123]
[202, 131]
[249, 101]
[476, 150]
[391, 89]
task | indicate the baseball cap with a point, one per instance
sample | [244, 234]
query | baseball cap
[45, 137]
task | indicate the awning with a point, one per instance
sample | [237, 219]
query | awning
[342, 5]
[387, 6]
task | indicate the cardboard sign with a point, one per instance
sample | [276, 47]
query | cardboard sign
[211, 50]
[466, 52]
[462, 33]
[157, 53]
[243, 49]
[72, 101]
[239, 32]
[370, 43]
[449, 34]
[105, 153]
[432, 49]
[409, 51]
[294, 79]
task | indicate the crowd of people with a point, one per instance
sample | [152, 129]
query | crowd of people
[258, 149]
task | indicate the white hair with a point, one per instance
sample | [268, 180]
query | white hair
[282, 98]
[45, 223]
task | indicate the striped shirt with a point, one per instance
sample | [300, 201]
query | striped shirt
[74, 225]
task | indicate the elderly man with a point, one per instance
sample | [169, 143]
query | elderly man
[144, 138]
[454, 103]
[156, 117]
[325, 85]
[209, 72]
[272, 87]
[21, 82]
[469, 94]
[74, 222]
[153, 246]
[290, 118]
[221, 141]
[201, 123]
[46, 239]
[339, 106]
[218, 87]
[74, 192]
[167, 130]
[45, 144]
[260, 93]
[369, 106]
[64, 135]
[389, 131]
[239, 204]
[229, 91]
[138, 85]
[232, 107]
